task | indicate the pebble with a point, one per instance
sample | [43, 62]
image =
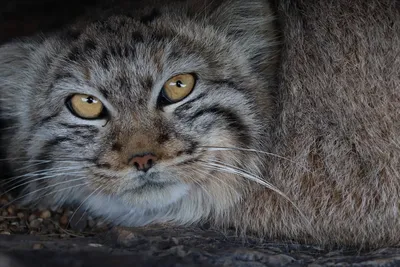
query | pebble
[32, 217]
[36, 223]
[37, 246]
[16, 219]
[45, 214]
[11, 210]
[3, 200]
[95, 245]
[64, 220]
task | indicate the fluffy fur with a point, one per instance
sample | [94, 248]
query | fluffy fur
[315, 160]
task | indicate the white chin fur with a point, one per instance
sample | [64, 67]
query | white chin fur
[136, 209]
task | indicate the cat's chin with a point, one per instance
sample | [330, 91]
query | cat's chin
[138, 206]
[152, 195]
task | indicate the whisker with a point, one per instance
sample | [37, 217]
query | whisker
[60, 190]
[215, 177]
[91, 194]
[39, 173]
[255, 178]
[217, 148]
[41, 189]
[39, 179]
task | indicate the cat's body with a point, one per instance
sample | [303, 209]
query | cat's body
[233, 151]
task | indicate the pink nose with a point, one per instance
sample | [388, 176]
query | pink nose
[143, 162]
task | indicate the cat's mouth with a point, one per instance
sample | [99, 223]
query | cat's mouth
[146, 186]
[153, 194]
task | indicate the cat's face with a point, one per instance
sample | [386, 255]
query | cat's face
[135, 114]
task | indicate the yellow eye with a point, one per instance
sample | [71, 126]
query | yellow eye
[86, 106]
[178, 87]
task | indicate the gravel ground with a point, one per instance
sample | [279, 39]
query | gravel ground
[58, 223]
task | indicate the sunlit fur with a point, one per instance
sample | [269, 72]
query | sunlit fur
[235, 152]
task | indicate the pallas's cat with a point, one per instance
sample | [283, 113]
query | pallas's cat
[166, 113]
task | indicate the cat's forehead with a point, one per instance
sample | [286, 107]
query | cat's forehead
[121, 53]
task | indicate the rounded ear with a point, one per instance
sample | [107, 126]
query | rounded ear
[18, 63]
[251, 25]
[14, 58]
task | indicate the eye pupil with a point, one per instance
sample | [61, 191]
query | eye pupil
[179, 83]
[89, 100]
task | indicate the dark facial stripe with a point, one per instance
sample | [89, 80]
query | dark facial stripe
[49, 145]
[233, 121]
[229, 83]
[87, 128]
[116, 147]
[47, 119]
[178, 111]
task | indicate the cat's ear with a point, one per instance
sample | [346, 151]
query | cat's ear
[15, 60]
[250, 25]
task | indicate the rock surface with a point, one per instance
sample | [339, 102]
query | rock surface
[163, 246]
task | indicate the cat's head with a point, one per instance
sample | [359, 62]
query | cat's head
[144, 114]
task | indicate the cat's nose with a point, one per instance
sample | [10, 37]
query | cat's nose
[143, 161]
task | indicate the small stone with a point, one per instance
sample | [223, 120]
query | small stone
[95, 245]
[11, 210]
[60, 211]
[51, 227]
[78, 221]
[36, 223]
[64, 220]
[5, 233]
[32, 217]
[91, 223]
[4, 226]
[37, 246]
[175, 240]
[45, 214]
[20, 215]
[3, 200]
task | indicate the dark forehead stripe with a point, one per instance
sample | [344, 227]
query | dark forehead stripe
[155, 13]
[103, 90]
[137, 37]
[74, 54]
[71, 34]
[116, 51]
[147, 82]
[89, 46]
[104, 59]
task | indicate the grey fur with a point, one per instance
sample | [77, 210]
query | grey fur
[319, 163]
